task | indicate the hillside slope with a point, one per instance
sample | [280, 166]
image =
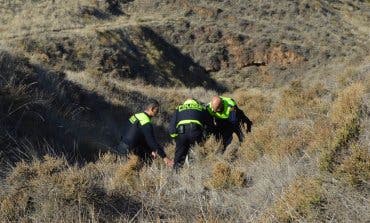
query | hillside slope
[73, 71]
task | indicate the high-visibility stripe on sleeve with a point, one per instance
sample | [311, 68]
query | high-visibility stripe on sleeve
[189, 121]
[174, 135]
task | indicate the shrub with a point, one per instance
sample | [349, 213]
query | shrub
[281, 138]
[126, 174]
[259, 141]
[347, 106]
[225, 176]
[345, 117]
[255, 104]
[44, 188]
[302, 200]
[355, 169]
[298, 101]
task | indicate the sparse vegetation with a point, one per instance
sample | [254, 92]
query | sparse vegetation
[303, 199]
[224, 176]
[355, 168]
[345, 118]
[77, 69]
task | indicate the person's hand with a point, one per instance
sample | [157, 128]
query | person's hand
[247, 127]
[154, 155]
[168, 162]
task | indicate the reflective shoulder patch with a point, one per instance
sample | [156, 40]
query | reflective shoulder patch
[229, 101]
[232, 102]
[143, 118]
[133, 119]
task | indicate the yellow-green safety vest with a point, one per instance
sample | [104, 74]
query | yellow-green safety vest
[189, 104]
[228, 104]
[141, 117]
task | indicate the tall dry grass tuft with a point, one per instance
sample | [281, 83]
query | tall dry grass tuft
[299, 101]
[347, 106]
[355, 168]
[259, 141]
[226, 176]
[322, 131]
[278, 138]
[289, 124]
[256, 104]
[345, 117]
[44, 188]
[303, 199]
[126, 174]
[15, 202]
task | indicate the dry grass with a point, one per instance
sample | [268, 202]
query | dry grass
[290, 125]
[83, 192]
[126, 174]
[345, 119]
[256, 103]
[27, 17]
[352, 203]
[298, 101]
[305, 116]
[355, 168]
[258, 170]
[303, 199]
[224, 177]
[44, 186]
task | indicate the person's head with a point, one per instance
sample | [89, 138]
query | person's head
[216, 104]
[152, 107]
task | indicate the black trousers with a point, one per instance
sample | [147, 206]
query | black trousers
[193, 134]
[225, 128]
[225, 132]
[141, 151]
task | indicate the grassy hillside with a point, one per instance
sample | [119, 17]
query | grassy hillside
[73, 71]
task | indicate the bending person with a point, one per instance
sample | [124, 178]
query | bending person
[138, 136]
[228, 118]
[187, 125]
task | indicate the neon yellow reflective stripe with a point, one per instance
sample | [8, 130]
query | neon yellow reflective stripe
[190, 104]
[223, 115]
[143, 118]
[174, 135]
[189, 121]
[133, 119]
[229, 101]
[228, 104]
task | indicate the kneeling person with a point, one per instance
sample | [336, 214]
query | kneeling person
[187, 126]
[139, 137]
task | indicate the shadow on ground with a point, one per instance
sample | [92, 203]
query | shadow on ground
[184, 69]
[42, 112]
[131, 53]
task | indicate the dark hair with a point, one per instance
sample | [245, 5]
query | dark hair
[151, 103]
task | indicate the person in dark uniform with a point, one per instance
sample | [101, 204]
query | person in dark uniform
[187, 125]
[138, 136]
[228, 119]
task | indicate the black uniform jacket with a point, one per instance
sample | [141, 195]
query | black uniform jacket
[141, 136]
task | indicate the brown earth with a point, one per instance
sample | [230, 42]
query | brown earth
[71, 72]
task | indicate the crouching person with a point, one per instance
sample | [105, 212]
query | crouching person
[138, 136]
